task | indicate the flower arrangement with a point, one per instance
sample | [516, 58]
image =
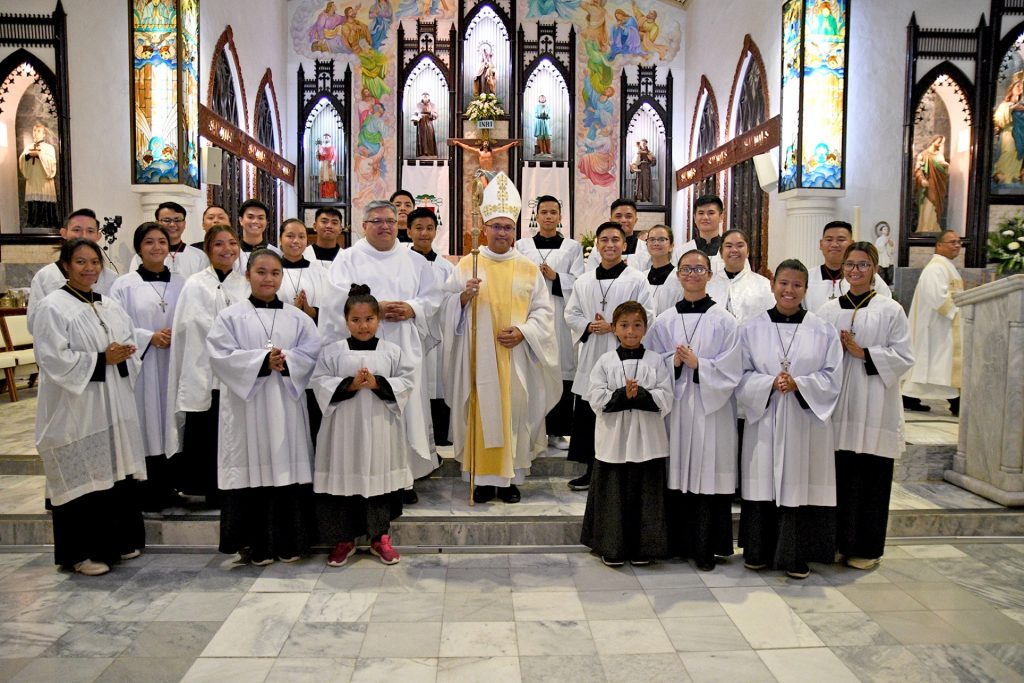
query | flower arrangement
[1006, 246]
[484, 107]
[587, 242]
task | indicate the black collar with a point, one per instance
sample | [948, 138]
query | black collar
[776, 317]
[259, 303]
[149, 276]
[368, 345]
[698, 306]
[850, 301]
[222, 275]
[731, 276]
[631, 244]
[630, 354]
[542, 242]
[603, 273]
[249, 248]
[326, 253]
[178, 249]
[709, 247]
[430, 255]
[91, 296]
[301, 263]
[829, 274]
[659, 274]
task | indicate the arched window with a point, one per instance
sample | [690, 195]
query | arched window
[707, 140]
[224, 102]
[266, 184]
[748, 204]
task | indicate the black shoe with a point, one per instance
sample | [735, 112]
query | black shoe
[911, 403]
[954, 407]
[510, 494]
[640, 561]
[410, 497]
[580, 483]
[706, 566]
[443, 443]
[484, 494]
[799, 571]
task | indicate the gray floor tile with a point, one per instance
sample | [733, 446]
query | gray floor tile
[847, 629]
[548, 606]
[726, 667]
[478, 607]
[172, 639]
[478, 670]
[563, 668]
[294, 670]
[656, 668]
[478, 580]
[408, 607]
[406, 670]
[228, 670]
[148, 669]
[984, 626]
[880, 597]
[628, 604]
[684, 602]
[324, 640]
[62, 670]
[707, 634]
[386, 639]
[637, 636]
[187, 606]
[478, 639]
[554, 638]
[806, 665]
[97, 639]
[964, 663]
[916, 628]
[885, 664]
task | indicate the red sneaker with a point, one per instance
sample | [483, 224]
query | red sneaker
[383, 550]
[341, 553]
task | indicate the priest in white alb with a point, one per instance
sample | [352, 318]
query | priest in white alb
[501, 355]
[935, 330]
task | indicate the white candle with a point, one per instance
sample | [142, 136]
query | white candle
[856, 223]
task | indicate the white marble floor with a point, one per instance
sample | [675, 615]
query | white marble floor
[945, 612]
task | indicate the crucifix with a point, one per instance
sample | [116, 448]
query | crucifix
[484, 149]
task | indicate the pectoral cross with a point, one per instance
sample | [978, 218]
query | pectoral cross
[604, 303]
[163, 306]
[270, 345]
[785, 363]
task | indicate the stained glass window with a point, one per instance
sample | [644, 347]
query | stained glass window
[224, 103]
[266, 184]
[747, 202]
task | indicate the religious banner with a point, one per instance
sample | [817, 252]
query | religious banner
[554, 181]
[429, 187]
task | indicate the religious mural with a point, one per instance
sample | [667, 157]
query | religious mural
[1008, 119]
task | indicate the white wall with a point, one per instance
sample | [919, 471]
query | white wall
[874, 134]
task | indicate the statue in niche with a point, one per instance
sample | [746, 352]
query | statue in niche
[643, 160]
[326, 155]
[541, 129]
[423, 118]
[38, 165]
[931, 177]
[485, 161]
[1009, 127]
[486, 79]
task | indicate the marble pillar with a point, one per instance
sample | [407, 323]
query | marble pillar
[193, 200]
[990, 456]
[807, 212]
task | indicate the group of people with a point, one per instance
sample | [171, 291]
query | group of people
[305, 387]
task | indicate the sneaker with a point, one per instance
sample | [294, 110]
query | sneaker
[580, 483]
[611, 562]
[484, 494]
[265, 562]
[289, 560]
[640, 562]
[510, 494]
[800, 571]
[341, 553]
[863, 562]
[131, 556]
[90, 568]
[558, 442]
[755, 566]
[410, 497]
[383, 550]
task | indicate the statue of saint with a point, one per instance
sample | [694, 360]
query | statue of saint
[541, 130]
[38, 165]
[931, 178]
[326, 154]
[643, 160]
[423, 118]
[485, 161]
[486, 79]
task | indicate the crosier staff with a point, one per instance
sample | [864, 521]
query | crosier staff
[475, 235]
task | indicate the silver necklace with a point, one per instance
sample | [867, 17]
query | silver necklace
[689, 335]
[270, 342]
[784, 361]
[296, 286]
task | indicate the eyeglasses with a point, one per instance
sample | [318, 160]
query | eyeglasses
[377, 222]
[693, 270]
[657, 240]
[171, 221]
[499, 229]
[862, 266]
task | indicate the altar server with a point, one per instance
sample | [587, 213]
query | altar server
[935, 329]
[664, 285]
[634, 250]
[561, 262]
[404, 284]
[327, 223]
[826, 282]
[181, 259]
[736, 287]
[51, 277]
[594, 297]
[263, 351]
[630, 389]
[422, 230]
[149, 296]
[868, 419]
[792, 373]
[193, 393]
[702, 340]
[708, 211]
[304, 284]
[362, 462]
[87, 425]
[501, 357]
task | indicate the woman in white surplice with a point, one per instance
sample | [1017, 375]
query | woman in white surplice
[87, 425]
[263, 352]
[149, 296]
[869, 416]
[362, 455]
[193, 393]
[792, 372]
[701, 339]
[664, 286]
